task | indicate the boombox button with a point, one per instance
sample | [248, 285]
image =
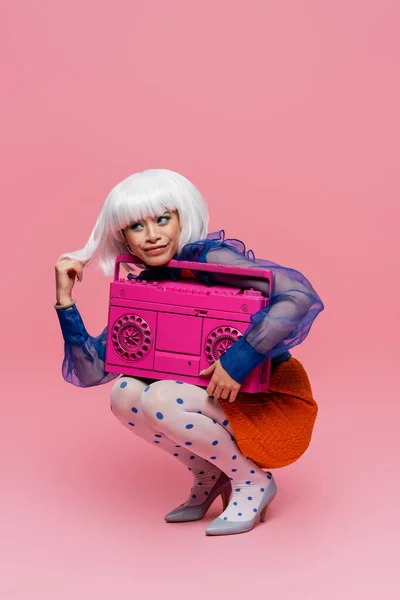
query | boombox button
[252, 293]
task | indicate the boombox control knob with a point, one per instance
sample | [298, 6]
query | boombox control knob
[131, 337]
[218, 342]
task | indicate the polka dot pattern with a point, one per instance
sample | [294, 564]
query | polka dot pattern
[173, 416]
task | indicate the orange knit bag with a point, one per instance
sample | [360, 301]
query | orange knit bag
[274, 428]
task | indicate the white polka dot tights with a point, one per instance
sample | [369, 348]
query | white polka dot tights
[184, 421]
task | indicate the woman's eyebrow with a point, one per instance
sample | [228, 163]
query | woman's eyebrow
[167, 212]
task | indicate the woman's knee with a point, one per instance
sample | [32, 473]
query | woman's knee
[159, 399]
[125, 396]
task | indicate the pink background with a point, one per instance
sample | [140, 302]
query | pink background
[286, 116]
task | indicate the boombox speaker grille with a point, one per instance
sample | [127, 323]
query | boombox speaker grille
[131, 337]
[218, 342]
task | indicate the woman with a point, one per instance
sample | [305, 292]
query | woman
[223, 436]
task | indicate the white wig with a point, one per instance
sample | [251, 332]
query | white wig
[145, 194]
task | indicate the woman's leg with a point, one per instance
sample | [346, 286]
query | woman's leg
[126, 406]
[187, 415]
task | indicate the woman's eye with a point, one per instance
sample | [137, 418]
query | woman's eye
[134, 226]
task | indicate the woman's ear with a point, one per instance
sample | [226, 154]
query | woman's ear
[126, 242]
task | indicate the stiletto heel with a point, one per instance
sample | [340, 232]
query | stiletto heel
[225, 499]
[263, 513]
[224, 527]
[183, 514]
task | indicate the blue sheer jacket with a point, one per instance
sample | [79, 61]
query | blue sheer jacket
[273, 330]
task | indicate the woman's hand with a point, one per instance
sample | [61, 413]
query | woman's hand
[66, 271]
[221, 385]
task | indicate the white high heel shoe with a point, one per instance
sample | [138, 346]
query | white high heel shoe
[224, 527]
[184, 513]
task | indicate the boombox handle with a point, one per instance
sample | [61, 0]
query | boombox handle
[198, 266]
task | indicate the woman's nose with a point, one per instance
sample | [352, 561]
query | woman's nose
[152, 234]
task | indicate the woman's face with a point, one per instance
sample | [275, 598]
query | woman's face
[154, 240]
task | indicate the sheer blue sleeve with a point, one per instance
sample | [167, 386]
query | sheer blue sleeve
[84, 355]
[283, 324]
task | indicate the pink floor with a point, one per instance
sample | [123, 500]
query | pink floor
[82, 511]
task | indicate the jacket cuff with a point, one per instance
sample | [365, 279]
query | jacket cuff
[240, 360]
[72, 327]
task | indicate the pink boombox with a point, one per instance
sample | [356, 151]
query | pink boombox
[175, 329]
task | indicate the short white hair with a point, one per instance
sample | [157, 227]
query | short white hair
[148, 193]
